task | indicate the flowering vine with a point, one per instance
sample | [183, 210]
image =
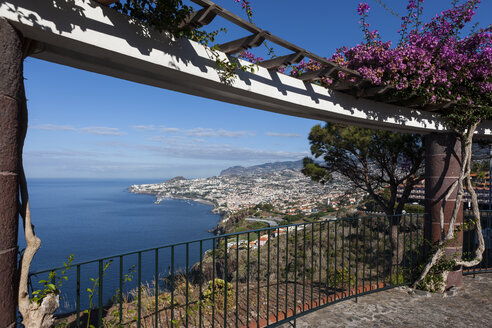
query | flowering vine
[246, 5]
[246, 55]
[431, 63]
[414, 9]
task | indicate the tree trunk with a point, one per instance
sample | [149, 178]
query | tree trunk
[13, 126]
[11, 83]
[397, 246]
[41, 315]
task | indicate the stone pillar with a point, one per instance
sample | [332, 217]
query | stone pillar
[11, 84]
[442, 168]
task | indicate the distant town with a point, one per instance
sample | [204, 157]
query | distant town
[280, 185]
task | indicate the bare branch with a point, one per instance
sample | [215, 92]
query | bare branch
[34, 315]
[476, 214]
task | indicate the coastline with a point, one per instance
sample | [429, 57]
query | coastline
[104, 205]
[198, 200]
[223, 214]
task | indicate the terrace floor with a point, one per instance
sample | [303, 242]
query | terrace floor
[467, 307]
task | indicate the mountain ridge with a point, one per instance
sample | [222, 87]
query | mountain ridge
[262, 168]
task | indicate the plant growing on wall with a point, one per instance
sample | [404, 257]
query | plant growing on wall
[171, 16]
[433, 64]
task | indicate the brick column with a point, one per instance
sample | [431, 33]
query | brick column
[11, 84]
[442, 167]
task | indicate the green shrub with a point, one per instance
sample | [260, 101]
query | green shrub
[214, 295]
[339, 277]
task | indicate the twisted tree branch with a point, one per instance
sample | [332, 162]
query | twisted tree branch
[34, 315]
[464, 176]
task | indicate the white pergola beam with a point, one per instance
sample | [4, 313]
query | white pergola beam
[86, 35]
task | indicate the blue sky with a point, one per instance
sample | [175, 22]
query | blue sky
[85, 125]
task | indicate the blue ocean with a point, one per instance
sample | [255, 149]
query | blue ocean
[99, 218]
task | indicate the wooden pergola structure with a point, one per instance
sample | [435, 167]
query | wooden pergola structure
[91, 36]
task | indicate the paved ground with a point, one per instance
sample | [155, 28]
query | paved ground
[467, 307]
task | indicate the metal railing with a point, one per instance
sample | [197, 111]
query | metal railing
[259, 278]
[470, 241]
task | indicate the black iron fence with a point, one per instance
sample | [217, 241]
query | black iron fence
[470, 241]
[256, 278]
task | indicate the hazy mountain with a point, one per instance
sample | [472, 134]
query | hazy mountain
[178, 178]
[262, 168]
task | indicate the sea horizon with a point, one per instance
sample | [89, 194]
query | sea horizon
[94, 218]
[137, 180]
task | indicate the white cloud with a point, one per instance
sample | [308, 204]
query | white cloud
[99, 130]
[232, 134]
[61, 164]
[53, 127]
[143, 127]
[177, 147]
[163, 128]
[195, 132]
[102, 130]
[160, 128]
[207, 132]
[198, 140]
[225, 152]
[64, 153]
[283, 135]
[172, 140]
[201, 132]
